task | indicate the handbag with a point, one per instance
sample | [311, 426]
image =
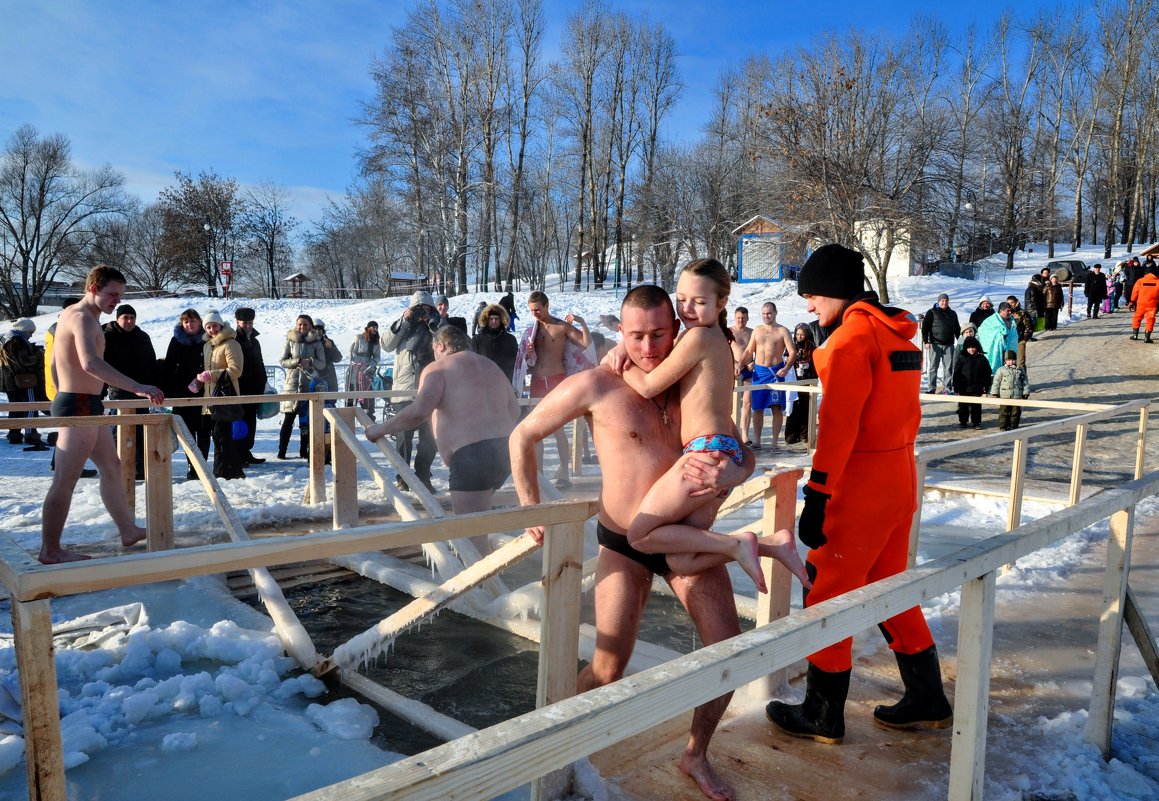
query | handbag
[225, 412]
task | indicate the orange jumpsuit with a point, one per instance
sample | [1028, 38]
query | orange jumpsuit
[1145, 296]
[871, 373]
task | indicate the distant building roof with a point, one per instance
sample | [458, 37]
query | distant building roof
[297, 277]
[399, 276]
[759, 224]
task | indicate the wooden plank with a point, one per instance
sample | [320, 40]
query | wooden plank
[972, 694]
[1076, 465]
[159, 485]
[417, 713]
[43, 749]
[428, 501]
[778, 512]
[559, 634]
[916, 524]
[127, 454]
[1017, 477]
[345, 470]
[1141, 632]
[1141, 446]
[1102, 714]
[316, 484]
[14, 560]
[49, 581]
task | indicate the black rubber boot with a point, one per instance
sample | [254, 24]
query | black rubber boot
[924, 704]
[821, 716]
[1134, 333]
[1147, 338]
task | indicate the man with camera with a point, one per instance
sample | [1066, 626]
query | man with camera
[409, 337]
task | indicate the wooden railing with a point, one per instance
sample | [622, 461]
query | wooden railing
[485, 763]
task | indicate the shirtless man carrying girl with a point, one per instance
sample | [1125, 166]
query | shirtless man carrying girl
[673, 519]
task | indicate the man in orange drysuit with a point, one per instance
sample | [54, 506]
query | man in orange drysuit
[1144, 300]
[862, 493]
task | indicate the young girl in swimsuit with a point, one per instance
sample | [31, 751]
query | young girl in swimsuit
[700, 369]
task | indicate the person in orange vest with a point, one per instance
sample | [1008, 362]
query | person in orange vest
[1144, 302]
[861, 495]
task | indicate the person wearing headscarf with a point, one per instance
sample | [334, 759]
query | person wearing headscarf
[365, 354]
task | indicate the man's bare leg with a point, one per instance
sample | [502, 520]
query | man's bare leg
[463, 503]
[104, 456]
[561, 479]
[709, 600]
[775, 425]
[746, 411]
[622, 589]
[73, 447]
[758, 418]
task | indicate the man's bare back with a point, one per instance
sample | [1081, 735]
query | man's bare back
[475, 401]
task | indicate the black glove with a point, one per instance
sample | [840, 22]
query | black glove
[809, 529]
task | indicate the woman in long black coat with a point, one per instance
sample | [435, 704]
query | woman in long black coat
[183, 361]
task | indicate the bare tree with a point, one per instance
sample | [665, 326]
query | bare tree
[201, 220]
[266, 223]
[49, 212]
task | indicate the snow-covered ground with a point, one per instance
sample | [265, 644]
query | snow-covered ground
[181, 687]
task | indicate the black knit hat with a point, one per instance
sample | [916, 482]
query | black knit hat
[833, 271]
[971, 342]
[125, 308]
[244, 313]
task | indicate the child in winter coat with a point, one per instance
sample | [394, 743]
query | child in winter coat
[971, 377]
[1010, 382]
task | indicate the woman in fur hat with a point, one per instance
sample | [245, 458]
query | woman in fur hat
[494, 340]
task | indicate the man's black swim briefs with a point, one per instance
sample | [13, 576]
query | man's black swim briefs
[480, 466]
[613, 541]
[73, 404]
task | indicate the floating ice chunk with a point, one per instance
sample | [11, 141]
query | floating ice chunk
[138, 707]
[307, 684]
[11, 752]
[168, 662]
[231, 687]
[345, 718]
[179, 741]
[1128, 782]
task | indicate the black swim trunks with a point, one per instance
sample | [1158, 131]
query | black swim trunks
[480, 466]
[614, 541]
[73, 404]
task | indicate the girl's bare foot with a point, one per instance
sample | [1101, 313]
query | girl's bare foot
[136, 534]
[782, 546]
[747, 555]
[57, 556]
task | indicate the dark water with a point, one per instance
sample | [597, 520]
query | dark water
[459, 666]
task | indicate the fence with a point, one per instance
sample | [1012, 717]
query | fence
[568, 727]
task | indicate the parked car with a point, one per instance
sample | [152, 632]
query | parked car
[1069, 269]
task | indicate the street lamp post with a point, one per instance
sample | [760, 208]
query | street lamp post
[209, 259]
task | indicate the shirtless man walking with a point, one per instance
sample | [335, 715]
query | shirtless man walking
[741, 335]
[80, 372]
[772, 351]
[637, 444]
[474, 409]
[551, 334]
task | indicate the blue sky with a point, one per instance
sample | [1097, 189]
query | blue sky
[269, 90]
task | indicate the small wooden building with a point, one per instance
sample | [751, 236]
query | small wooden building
[296, 282]
[402, 283]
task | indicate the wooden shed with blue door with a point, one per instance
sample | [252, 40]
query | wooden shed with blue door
[760, 250]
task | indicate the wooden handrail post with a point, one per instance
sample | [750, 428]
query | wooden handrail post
[738, 405]
[1141, 447]
[916, 524]
[43, 749]
[779, 511]
[158, 446]
[972, 690]
[1017, 477]
[814, 400]
[559, 632]
[345, 468]
[127, 453]
[1101, 718]
[1076, 466]
[316, 488]
[578, 438]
